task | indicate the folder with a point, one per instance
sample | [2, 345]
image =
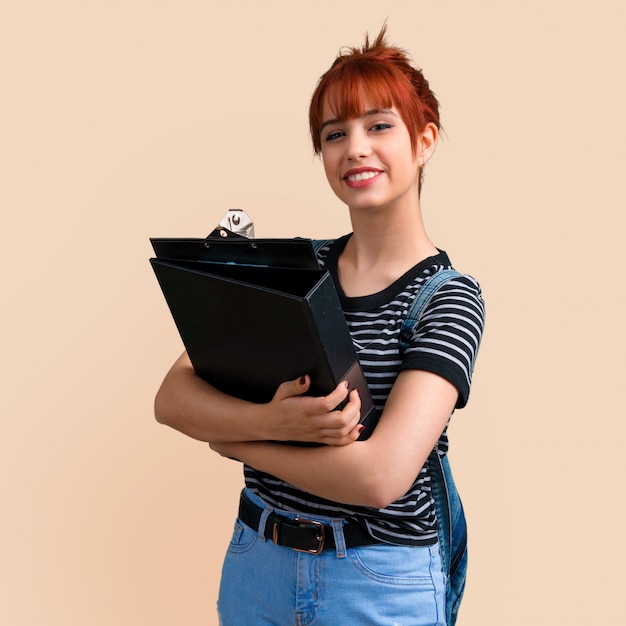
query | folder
[247, 328]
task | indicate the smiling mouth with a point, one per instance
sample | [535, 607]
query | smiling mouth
[355, 178]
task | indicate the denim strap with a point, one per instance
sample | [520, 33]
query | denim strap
[450, 517]
[318, 244]
[422, 298]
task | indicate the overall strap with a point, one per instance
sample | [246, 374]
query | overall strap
[422, 298]
[452, 529]
[318, 244]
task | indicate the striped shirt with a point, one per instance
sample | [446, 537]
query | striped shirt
[445, 342]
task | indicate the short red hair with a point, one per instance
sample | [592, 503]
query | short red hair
[382, 75]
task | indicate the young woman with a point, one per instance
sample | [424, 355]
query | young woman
[346, 533]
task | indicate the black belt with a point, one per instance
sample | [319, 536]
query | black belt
[301, 534]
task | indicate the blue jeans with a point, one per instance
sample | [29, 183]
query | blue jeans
[377, 585]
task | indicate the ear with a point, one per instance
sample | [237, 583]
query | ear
[427, 143]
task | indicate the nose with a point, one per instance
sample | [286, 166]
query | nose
[357, 146]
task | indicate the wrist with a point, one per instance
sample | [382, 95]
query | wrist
[260, 422]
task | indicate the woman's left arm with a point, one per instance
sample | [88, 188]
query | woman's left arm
[374, 472]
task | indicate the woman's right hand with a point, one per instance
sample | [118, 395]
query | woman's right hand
[293, 416]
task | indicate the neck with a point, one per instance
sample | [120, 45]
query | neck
[384, 245]
[389, 237]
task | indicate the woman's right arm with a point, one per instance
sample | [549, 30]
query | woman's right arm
[194, 407]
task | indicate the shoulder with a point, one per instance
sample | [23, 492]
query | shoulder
[320, 245]
[461, 296]
[445, 338]
[447, 302]
[328, 249]
[463, 286]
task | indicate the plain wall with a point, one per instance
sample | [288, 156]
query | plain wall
[126, 120]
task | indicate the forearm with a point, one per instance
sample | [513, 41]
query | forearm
[195, 408]
[355, 474]
[192, 406]
[374, 472]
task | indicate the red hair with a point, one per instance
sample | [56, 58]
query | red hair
[383, 76]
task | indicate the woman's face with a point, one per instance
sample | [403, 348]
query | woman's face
[369, 161]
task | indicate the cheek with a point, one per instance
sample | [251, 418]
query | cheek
[329, 168]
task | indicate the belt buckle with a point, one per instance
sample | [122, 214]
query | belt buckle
[313, 524]
[320, 535]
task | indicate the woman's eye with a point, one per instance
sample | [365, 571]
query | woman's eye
[334, 135]
[382, 126]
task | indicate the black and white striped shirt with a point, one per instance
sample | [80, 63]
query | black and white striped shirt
[445, 341]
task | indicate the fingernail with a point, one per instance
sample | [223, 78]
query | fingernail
[361, 428]
[347, 384]
[302, 380]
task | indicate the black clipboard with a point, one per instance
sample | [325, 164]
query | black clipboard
[277, 252]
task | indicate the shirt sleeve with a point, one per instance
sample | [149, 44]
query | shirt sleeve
[446, 339]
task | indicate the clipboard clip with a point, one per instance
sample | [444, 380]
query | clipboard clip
[236, 223]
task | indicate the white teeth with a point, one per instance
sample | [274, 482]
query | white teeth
[355, 178]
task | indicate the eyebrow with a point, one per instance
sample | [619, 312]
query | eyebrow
[334, 120]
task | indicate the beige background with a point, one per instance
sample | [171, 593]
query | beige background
[125, 120]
